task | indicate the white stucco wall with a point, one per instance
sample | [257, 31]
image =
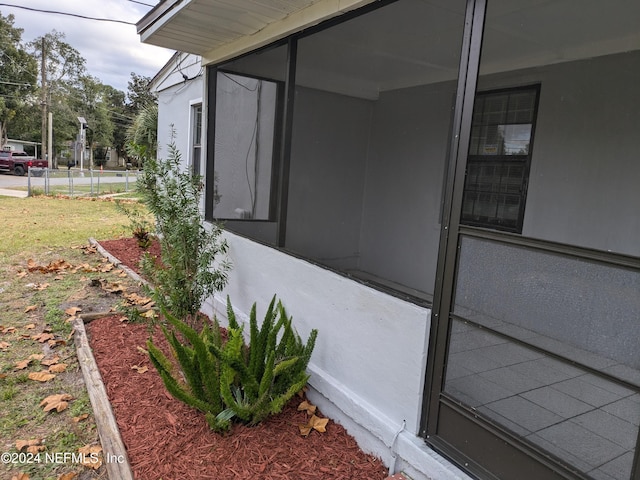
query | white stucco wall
[368, 366]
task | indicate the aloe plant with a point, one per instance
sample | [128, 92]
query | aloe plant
[229, 379]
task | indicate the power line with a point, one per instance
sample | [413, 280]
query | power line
[68, 14]
[18, 84]
[141, 3]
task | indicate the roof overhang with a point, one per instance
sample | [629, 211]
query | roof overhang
[221, 29]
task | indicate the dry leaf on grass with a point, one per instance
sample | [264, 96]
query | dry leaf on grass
[21, 274]
[4, 345]
[41, 376]
[54, 343]
[58, 402]
[23, 364]
[30, 308]
[107, 267]
[315, 423]
[31, 446]
[79, 418]
[139, 369]
[89, 249]
[68, 476]
[72, 310]
[30, 326]
[36, 356]
[43, 337]
[50, 361]
[4, 329]
[58, 368]
[20, 476]
[91, 456]
[137, 299]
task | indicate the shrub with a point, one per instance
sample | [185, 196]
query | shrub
[139, 224]
[191, 270]
[228, 379]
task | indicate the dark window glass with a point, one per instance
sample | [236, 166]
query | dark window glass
[196, 152]
[499, 158]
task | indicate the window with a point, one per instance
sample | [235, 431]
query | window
[499, 158]
[246, 118]
[196, 138]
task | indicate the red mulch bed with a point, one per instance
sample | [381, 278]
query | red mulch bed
[128, 252]
[166, 439]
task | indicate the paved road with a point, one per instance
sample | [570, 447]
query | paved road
[60, 177]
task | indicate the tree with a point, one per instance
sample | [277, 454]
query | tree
[90, 102]
[142, 136]
[19, 72]
[62, 66]
[138, 93]
[120, 117]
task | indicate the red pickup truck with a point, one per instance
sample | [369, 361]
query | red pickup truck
[19, 162]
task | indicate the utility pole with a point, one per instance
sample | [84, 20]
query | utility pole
[50, 142]
[43, 104]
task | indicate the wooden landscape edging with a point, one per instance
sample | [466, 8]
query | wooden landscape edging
[113, 449]
[117, 262]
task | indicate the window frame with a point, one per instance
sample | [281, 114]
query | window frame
[275, 156]
[503, 160]
[195, 137]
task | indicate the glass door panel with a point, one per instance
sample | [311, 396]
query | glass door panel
[545, 345]
[537, 330]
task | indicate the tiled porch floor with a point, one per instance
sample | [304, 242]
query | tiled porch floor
[584, 419]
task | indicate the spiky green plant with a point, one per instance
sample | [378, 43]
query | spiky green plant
[229, 379]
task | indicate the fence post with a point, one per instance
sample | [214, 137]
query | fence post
[46, 181]
[126, 180]
[28, 182]
[91, 191]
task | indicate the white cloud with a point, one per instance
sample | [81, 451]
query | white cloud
[111, 50]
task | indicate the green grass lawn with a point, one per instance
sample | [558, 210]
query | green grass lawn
[31, 225]
[45, 231]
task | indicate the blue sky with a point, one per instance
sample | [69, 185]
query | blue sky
[112, 50]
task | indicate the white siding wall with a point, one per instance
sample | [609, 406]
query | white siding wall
[174, 111]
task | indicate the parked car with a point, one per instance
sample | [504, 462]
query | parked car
[19, 162]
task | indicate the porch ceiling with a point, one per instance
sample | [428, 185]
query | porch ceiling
[211, 27]
[375, 55]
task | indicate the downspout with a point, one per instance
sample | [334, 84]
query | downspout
[394, 454]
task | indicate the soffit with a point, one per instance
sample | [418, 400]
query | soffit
[217, 29]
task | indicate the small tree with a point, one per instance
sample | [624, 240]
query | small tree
[142, 135]
[191, 269]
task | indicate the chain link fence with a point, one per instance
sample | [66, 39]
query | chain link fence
[80, 183]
